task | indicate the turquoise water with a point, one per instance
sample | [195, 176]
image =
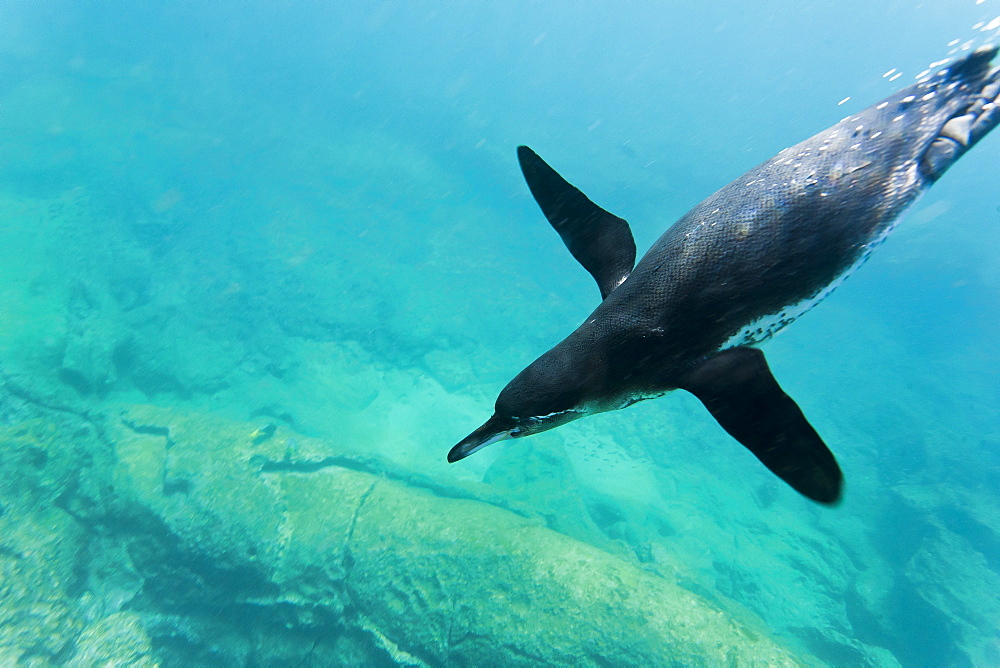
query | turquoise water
[310, 215]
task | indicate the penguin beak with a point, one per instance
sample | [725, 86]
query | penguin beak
[488, 434]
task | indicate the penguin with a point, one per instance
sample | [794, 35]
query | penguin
[736, 269]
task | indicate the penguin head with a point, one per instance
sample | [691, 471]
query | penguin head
[547, 394]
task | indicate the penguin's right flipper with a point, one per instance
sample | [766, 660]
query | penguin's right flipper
[600, 241]
[737, 387]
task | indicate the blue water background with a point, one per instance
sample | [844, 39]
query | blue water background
[263, 179]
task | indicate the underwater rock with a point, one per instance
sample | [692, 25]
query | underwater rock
[39, 545]
[177, 355]
[428, 578]
[954, 568]
[145, 536]
[340, 375]
[37, 621]
[88, 361]
[455, 372]
[116, 640]
[455, 581]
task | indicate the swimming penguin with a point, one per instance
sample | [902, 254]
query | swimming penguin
[737, 268]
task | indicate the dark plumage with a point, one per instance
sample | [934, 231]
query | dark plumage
[736, 269]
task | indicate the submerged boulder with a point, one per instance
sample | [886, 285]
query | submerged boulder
[339, 545]
[457, 581]
[139, 535]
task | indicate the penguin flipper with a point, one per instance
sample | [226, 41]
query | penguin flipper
[739, 390]
[600, 241]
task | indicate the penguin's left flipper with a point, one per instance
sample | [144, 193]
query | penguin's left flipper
[600, 241]
[739, 390]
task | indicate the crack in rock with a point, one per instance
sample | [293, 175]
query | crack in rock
[268, 465]
[354, 517]
[171, 485]
[150, 429]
